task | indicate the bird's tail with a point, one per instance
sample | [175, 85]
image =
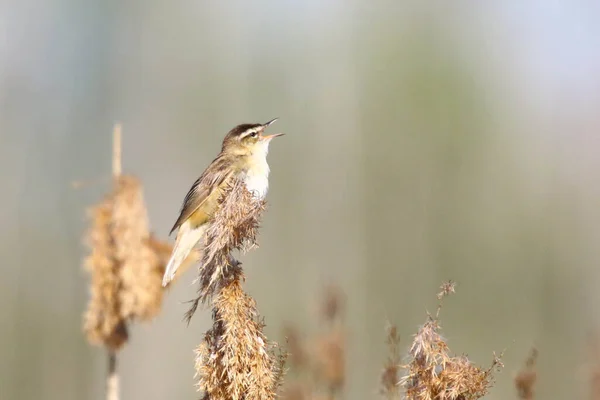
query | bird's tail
[187, 238]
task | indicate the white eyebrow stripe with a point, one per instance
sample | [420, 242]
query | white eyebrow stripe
[250, 131]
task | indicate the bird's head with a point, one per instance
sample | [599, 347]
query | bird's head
[248, 139]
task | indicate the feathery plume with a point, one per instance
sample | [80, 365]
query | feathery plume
[126, 271]
[432, 373]
[390, 374]
[126, 266]
[235, 360]
[527, 376]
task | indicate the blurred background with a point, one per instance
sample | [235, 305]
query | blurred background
[426, 141]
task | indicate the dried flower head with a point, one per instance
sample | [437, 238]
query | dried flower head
[234, 227]
[235, 360]
[103, 322]
[298, 356]
[446, 289]
[332, 303]
[526, 378]
[141, 291]
[432, 373]
[126, 271]
[330, 359]
[390, 375]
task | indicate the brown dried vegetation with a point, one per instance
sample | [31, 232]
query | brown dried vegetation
[126, 266]
[433, 374]
[235, 360]
[390, 377]
[125, 269]
[527, 376]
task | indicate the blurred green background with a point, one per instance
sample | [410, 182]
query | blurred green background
[426, 141]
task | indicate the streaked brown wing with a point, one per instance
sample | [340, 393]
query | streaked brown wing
[216, 173]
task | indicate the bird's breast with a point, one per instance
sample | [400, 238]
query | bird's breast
[256, 178]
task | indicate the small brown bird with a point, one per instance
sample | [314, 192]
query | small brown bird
[243, 155]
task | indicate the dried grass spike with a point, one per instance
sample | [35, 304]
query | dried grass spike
[103, 322]
[234, 227]
[526, 378]
[390, 378]
[141, 291]
[432, 373]
[235, 360]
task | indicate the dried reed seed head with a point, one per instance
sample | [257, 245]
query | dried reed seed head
[236, 361]
[526, 378]
[333, 303]
[389, 382]
[393, 337]
[390, 376]
[141, 279]
[280, 370]
[330, 359]
[298, 357]
[103, 323]
[433, 374]
[446, 289]
[126, 269]
[234, 227]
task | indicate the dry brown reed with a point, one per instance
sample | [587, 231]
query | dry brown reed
[432, 373]
[235, 360]
[126, 271]
[390, 376]
[319, 363]
[126, 266]
[527, 376]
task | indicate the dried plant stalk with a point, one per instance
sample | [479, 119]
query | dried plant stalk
[112, 378]
[235, 360]
[432, 373]
[390, 376]
[526, 378]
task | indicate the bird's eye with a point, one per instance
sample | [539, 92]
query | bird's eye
[253, 134]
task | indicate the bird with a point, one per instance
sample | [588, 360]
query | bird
[243, 155]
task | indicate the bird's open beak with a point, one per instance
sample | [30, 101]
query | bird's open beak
[269, 137]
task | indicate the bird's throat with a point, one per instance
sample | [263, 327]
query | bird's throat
[256, 176]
